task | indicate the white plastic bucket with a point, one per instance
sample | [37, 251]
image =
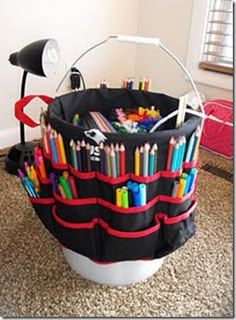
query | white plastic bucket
[115, 274]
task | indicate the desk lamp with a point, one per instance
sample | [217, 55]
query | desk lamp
[40, 58]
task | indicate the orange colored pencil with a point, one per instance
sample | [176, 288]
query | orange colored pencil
[170, 152]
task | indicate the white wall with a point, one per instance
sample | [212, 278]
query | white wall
[76, 25]
[170, 20]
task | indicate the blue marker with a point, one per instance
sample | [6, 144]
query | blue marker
[192, 175]
[143, 194]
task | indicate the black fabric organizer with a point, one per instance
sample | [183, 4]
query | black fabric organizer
[93, 225]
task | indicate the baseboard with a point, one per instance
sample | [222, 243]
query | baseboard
[11, 136]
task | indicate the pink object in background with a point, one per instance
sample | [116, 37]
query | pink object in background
[217, 134]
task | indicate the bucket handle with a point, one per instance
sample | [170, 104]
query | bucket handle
[147, 41]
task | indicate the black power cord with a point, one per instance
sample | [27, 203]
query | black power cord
[75, 77]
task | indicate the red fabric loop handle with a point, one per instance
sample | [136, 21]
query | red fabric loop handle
[20, 104]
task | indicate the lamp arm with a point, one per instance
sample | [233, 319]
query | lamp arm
[22, 94]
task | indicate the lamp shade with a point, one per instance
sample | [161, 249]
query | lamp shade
[40, 57]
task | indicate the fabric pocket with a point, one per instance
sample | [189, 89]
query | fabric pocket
[97, 240]
[176, 230]
[86, 183]
[43, 209]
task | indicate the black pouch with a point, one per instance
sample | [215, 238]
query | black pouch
[93, 225]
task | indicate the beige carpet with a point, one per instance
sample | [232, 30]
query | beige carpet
[195, 281]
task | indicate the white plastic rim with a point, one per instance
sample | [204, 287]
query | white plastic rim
[115, 274]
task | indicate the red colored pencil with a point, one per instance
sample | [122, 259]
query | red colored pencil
[122, 159]
[170, 151]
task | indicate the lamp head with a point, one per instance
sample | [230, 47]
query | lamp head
[40, 57]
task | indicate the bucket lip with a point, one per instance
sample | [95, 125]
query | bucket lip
[191, 123]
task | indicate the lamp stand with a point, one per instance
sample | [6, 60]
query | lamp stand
[23, 151]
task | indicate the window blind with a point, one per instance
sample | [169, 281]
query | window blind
[217, 53]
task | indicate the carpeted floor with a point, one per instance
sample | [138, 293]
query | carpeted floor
[195, 281]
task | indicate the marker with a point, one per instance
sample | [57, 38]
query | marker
[66, 187]
[181, 187]
[175, 188]
[118, 197]
[143, 194]
[124, 198]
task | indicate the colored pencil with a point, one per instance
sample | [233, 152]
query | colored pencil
[170, 152]
[122, 159]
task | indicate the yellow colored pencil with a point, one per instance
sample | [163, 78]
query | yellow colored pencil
[62, 149]
[137, 162]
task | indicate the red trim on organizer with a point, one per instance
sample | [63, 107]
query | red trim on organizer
[189, 165]
[111, 180]
[75, 202]
[59, 166]
[42, 200]
[133, 210]
[106, 227]
[82, 175]
[130, 210]
[179, 218]
[170, 174]
[143, 179]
